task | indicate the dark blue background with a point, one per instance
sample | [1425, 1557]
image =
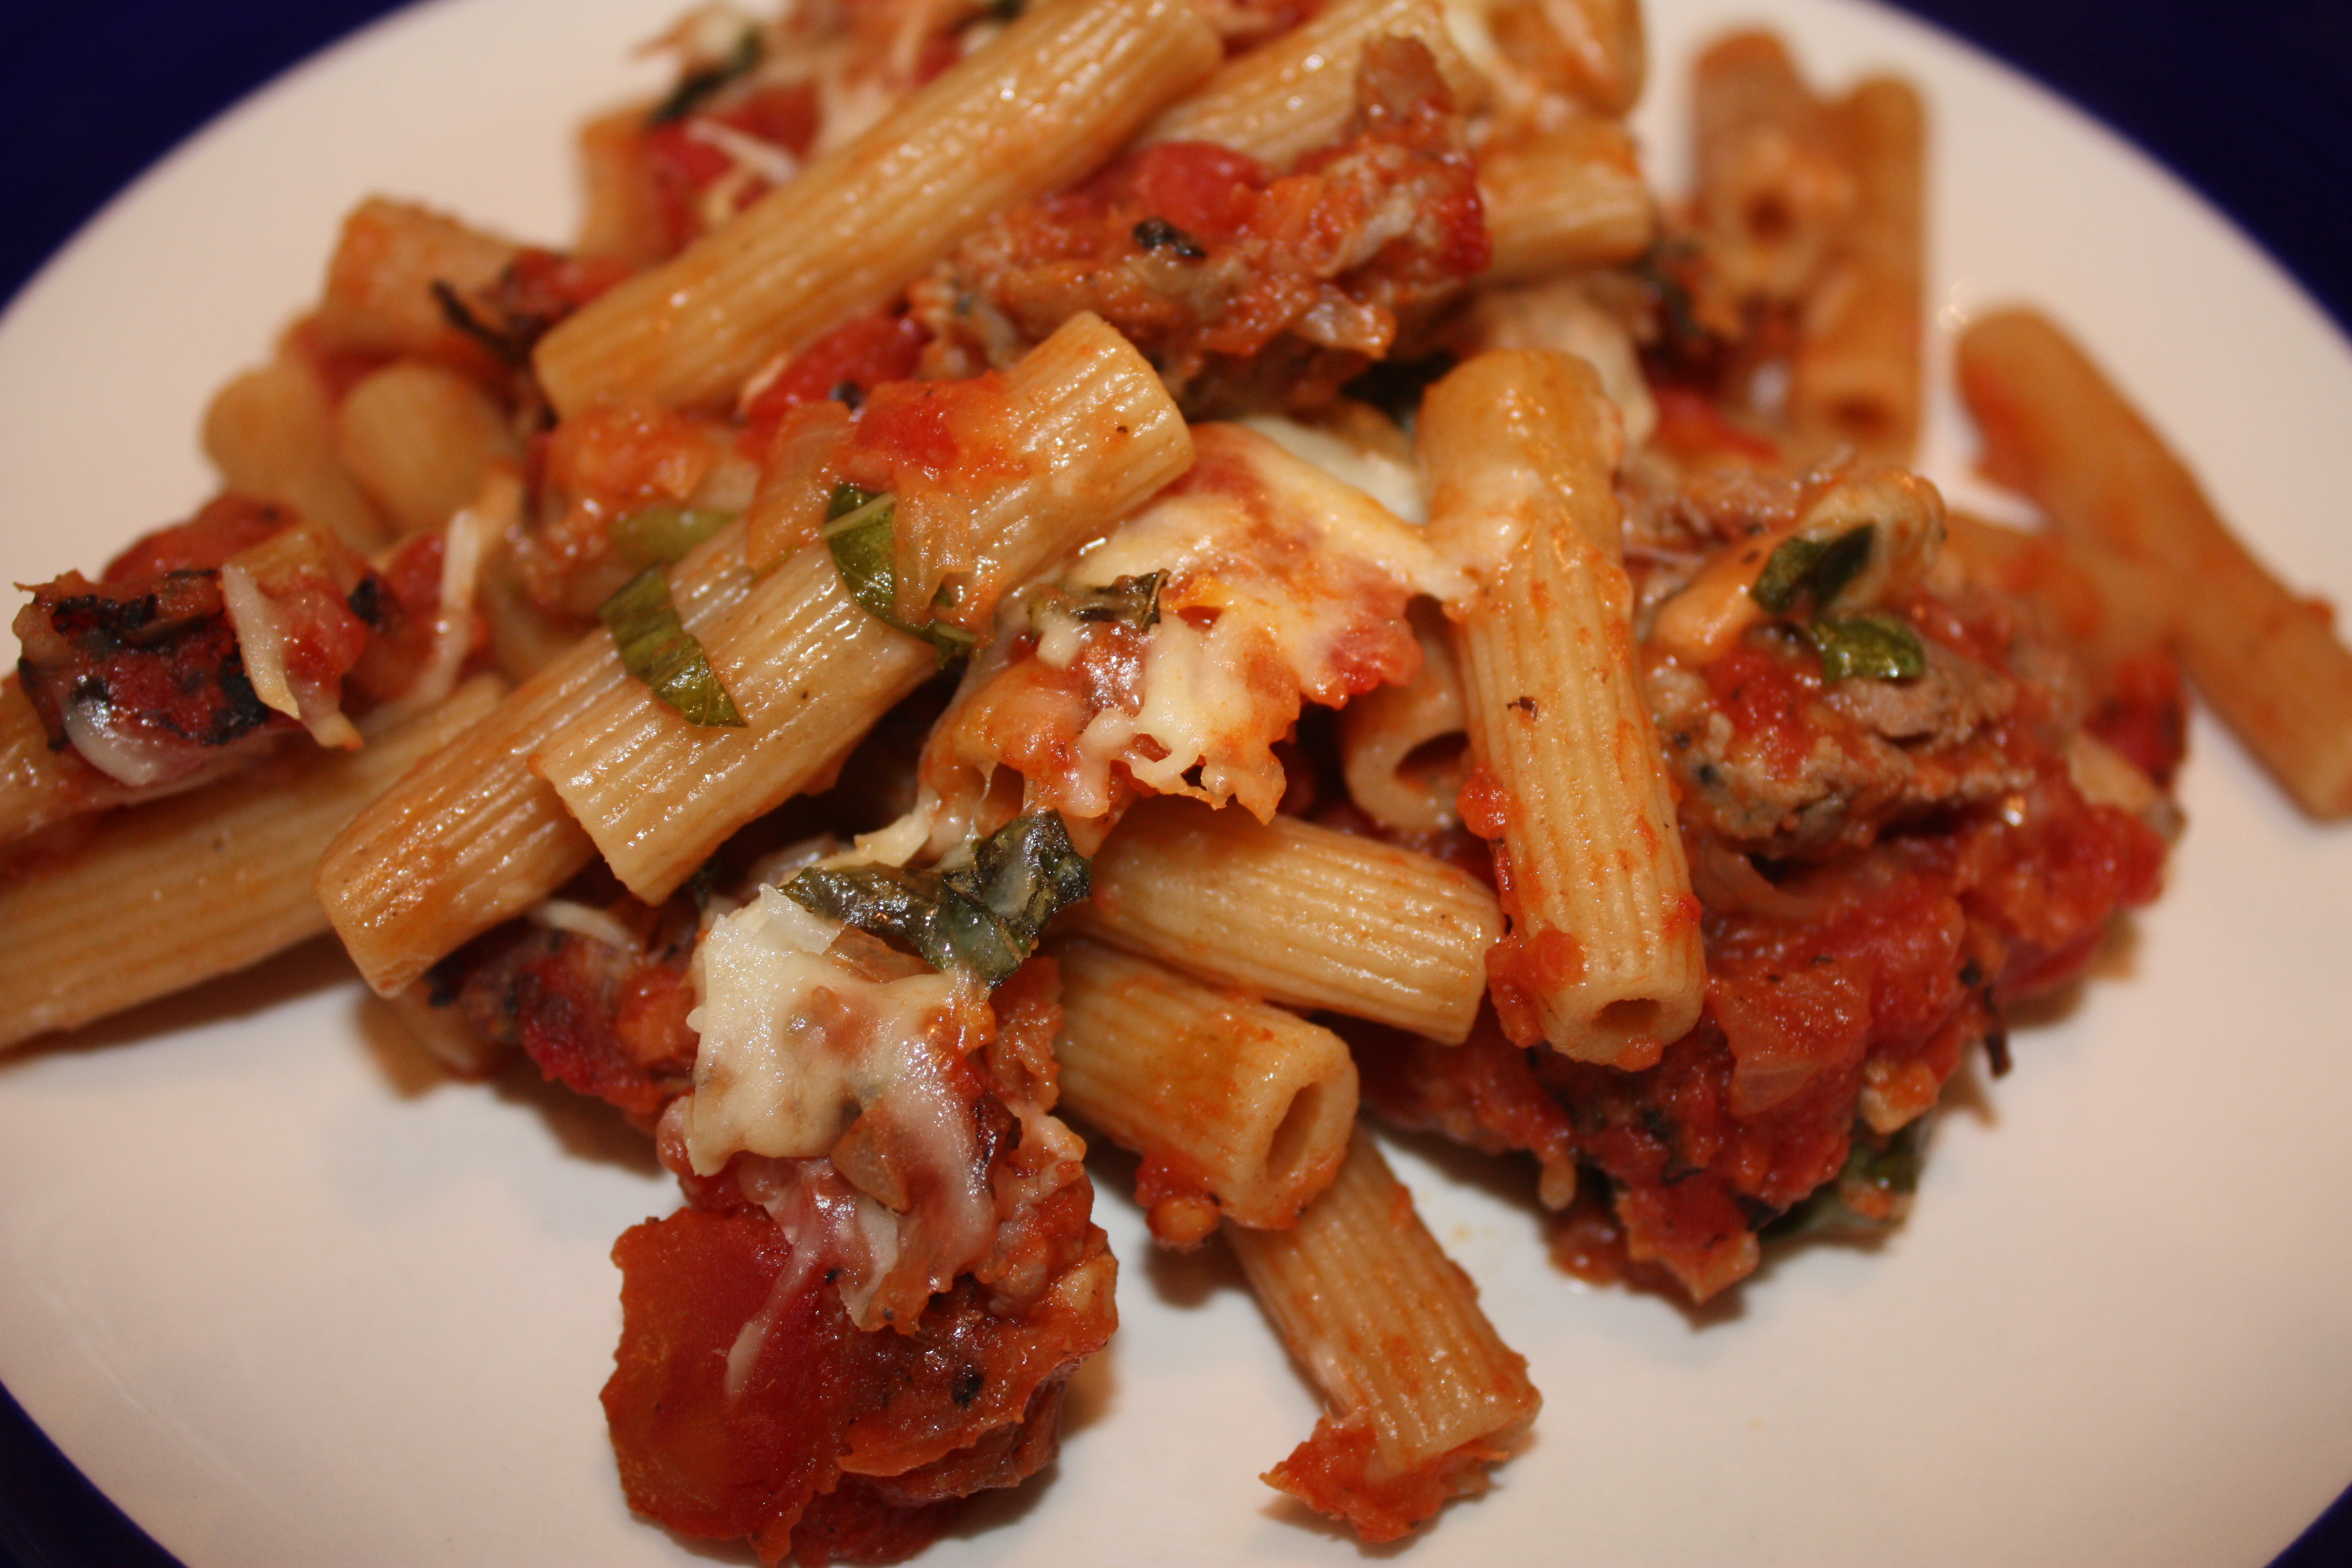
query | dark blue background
[2252, 103]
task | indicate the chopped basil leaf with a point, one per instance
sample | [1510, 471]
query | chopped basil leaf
[1026, 873]
[1158, 234]
[1893, 1165]
[1872, 1193]
[847, 497]
[1784, 573]
[861, 536]
[1129, 601]
[862, 540]
[656, 647]
[948, 640]
[1823, 567]
[1874, 646]
[1661, 272]
[983, 917]
[663, 535]
[883, 899]
[699, 85]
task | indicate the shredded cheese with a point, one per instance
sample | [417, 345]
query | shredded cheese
[581, 920]
[794, 1049]
[261, 639]
[1270, 576]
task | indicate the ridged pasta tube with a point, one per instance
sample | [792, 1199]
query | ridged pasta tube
[1604, 959]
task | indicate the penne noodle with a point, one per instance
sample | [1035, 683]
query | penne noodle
[1572, 198]
[1423, 1394]
[2270, 662]
[621, 215]
[1239, 1109]
[1774, 188]
[197, 885]
[1855, 378]
[271, 434]
[1051, 96]
[1302, 915]
[418, 438]
[2112, 606]
[1604, 961]
[1298, 91]
[811, 671]
[1594, 50]
[1403, 748]
[472, 836]
[1560, 314]
[380, 294]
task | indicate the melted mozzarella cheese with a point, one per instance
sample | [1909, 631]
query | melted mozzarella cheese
[1276, 567]
[261, 639]
[1392, 483]
[773, 1074]
[794, 1047]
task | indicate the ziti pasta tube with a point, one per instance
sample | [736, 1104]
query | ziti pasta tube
[1298, 92]
[1423, 1395]
[1401, 748]
[2269, 661]
[1571, 198]
[1596, 50]
[1240, 1111]
[271, 434]
[197, 885]
[1049, 99]
[418, 438]
[1774, 187]
[471, 837]
[1090, 435]
[1604, 959]
[1306, 915]
[1855, 376]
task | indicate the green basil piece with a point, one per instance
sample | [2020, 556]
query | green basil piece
[1129, 600]
[1026, 873]
[983, 917]
[860, 531]
[847, 497]
[1881, 1173]
[1658, 272]
[862, 540]
[656, 647]
[1874, 646]
[1124, 601]
[697, 87]
[664, 534]
[900, 905]
[1823, 567]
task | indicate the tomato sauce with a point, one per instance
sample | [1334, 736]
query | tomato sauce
[683, 165]
[1835, 1009]
[844, 365]
[604, 1021]
[149, 662]
[1207, 260]
[745, 1404]
[1766, 697]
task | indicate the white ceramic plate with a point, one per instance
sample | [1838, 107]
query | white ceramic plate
[288, 1297]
